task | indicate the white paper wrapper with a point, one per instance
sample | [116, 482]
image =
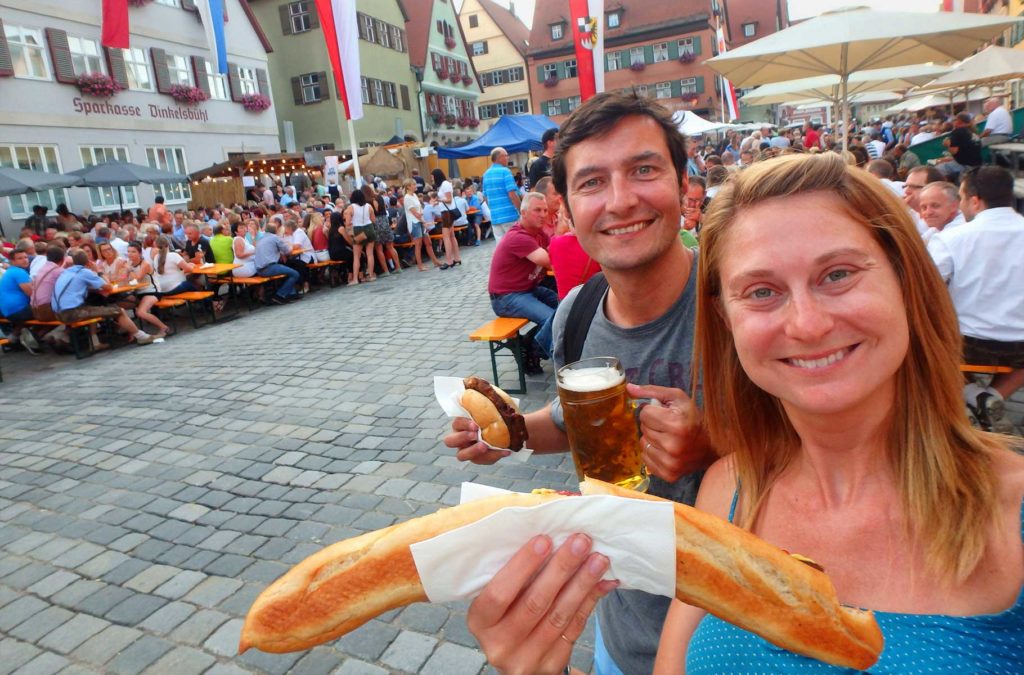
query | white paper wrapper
[448, 392]
[458, 564]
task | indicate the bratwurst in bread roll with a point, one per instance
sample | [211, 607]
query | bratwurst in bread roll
[495, 413]
[719, 567]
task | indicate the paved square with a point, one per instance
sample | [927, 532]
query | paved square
[147, 495]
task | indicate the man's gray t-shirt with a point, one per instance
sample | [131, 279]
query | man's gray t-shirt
[658, 353]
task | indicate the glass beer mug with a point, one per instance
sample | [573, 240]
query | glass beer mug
[600, 423]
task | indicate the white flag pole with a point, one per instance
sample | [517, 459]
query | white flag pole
[355, 152]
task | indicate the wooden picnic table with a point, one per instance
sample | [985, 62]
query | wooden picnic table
[215, 269]
[130, 288]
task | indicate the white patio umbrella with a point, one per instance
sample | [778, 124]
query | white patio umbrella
[915, 103]
[989, 66]
[692, 124]
[847, 41]
[827, 87]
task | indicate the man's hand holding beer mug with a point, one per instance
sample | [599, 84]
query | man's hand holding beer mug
[600, 411]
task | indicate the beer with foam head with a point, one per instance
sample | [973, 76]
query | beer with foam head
[599, 421]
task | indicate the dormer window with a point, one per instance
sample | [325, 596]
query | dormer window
[556, 31]
[614, 19]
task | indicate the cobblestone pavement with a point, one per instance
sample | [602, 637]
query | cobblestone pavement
[149, 494]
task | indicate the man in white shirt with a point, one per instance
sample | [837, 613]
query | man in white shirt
[925, 134]
[883, 170]
[998, 124]
[982, 265]
[917, 178]
[939, 205]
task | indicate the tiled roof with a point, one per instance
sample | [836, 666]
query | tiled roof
[509, 24]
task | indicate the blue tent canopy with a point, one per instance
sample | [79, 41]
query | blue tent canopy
[515, 133]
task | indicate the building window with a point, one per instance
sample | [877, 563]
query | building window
[178, 70]
[515, 74]
[368, 27]
[26, 46]
[474, 21]
[319, 146]
[688, 85]
[660, 52]
[311, 91]
[497, 77]
[383, 34]
[217, 82]
[169, 3]
[136, 65]
[573, 103]
[391, 94]
[550, 70]
[170, 159]
[247, 81]
[365, 87]
[636, 55]
[480, 48]
[614, 61]
[32, 158]
[570, 68]
[520, 106]
[663, 90]
[378, 92]
[555, 107]
[397, 41]
[614, 19]
[85, 55]
[485, 112]
[640, 89]
[501, 109]
[299, 15]
[556, 31]
[750, 29]
[107, 198]
[686, 46]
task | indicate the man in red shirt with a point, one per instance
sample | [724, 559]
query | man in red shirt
[812, 139]
[519, 264]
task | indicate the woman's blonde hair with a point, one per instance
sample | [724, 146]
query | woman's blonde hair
[943, 466]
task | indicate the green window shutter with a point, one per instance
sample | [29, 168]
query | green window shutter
[6, 66]
[696, 44]
[560, 69]
[648, 54]
[199, 68]
[700, 84]
[161, 73]
[540, 74]
[673, 49]
[677, 89]
[234, 82]
[262, 82]
[60, 55]
[286, 20]
[115, 62]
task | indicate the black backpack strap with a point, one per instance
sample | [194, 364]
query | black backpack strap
[581, 314]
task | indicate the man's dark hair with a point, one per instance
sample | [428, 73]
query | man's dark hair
[549, 135]
[79, 257]
[713, 160]
[599, 115]
[932, 174]
[698, 180]
[881, 168]
[55, 253]
[159, 199]
[991, 184]
[40, 208]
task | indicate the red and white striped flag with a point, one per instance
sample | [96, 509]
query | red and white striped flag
[733, 111]
[114, 32]
[587, 26]
[338, 21]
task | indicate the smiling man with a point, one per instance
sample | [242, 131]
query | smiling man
[625, 206]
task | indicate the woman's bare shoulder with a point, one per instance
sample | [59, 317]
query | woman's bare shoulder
[1009, 467]
[718, 487]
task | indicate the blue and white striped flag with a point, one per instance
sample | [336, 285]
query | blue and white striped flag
[212, 14]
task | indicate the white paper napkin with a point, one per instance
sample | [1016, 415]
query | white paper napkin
[448, 392]
[637, 536]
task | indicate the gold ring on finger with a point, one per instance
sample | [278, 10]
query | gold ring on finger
[567, 639]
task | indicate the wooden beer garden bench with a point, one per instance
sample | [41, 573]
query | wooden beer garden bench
[190, 297]
[326, 268]
[3, 342]
[168, 304]
[984, 370]
[503, 333]
[75, 329]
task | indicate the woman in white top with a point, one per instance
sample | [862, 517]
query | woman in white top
[169, 269]
[359, 218]
[445, 195]
[414, 221]
[141, 272]
[111, 267]
[243, 249]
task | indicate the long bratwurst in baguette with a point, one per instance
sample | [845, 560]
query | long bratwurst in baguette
[495, 413]
[719, 567]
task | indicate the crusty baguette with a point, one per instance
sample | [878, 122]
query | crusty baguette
[746, 581]
[719, 567]
[340, 588]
